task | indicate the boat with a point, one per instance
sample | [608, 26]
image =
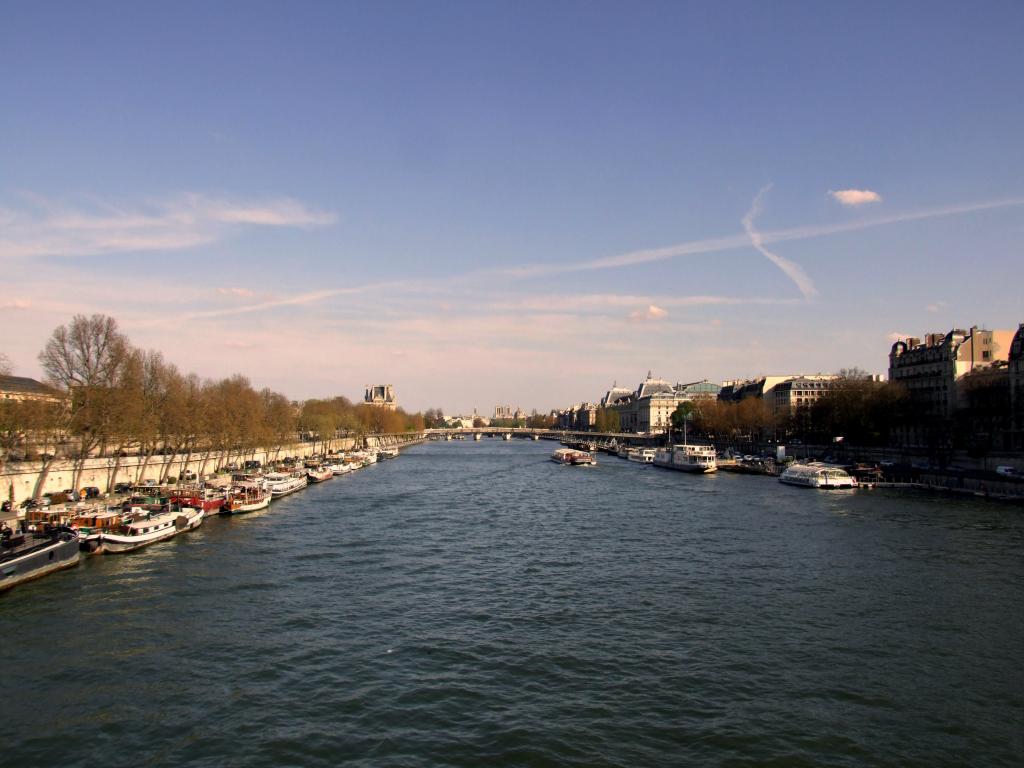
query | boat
[246, 497]
[392, 453]
[319, 474]
[574, 458]
[30, 555]
[282, 483]
[145, 528]
[340, 467]
[687, 458]
[210, 500]
[622, 451]
[91, 526]
[476, 436]
[817, 475]
[507, 436]
[641, 455]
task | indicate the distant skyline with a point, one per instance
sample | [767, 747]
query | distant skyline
[509, 203]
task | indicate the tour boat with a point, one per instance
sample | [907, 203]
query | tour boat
[25, 556]
[247, 497]
[391, 453]
[282, 483]
[145, 528]
[340, 468]
[476, 436]
[641, 455]
[817, 475]
[319, 474]
[574, 458]
[507, 436]
[687, 458]
[623, 451]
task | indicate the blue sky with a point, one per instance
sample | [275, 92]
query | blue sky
[509, 202]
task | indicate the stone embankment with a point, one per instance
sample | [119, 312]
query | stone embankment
[19, 480]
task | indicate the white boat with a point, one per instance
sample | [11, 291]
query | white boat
[282, 483]
[574, 458]
[623, 452]
[147, 528]
[687, 458]
[641, 455]
[340, 468]
[388, 453]
[507, 436]
[476, 436]
[817, 475]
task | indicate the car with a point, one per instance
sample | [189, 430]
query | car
[188, 474]
[149, 482]
[1007, 471]
[123, 488]
[90, 492]
[72, 495]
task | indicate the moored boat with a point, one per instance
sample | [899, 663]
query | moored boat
[817, 475]
[246, 497]
[282, 483]
[687, 458]
[26, 556]
[641, 455]
[319, 474]
[145, 528]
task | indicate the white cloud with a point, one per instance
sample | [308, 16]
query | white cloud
[43, 227]
[15, 304]
[652, 312]
[792, 270]
[936, 306]
[855, 196]
[243, 292]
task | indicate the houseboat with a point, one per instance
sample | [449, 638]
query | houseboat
[145, 528]
[246, 497]
[687, 458]
[282, 483]
[30, 555]
[641, 455]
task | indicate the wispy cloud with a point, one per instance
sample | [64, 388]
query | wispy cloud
[854, 197]
[43, 227]
[648, 314]
[792, 270]
[936, 306]
[241, 292]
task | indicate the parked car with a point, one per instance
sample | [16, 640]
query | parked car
[1007, 471]
[90, 492]
[187, 475]
[123, 488]
[252, 464]
[72, 495]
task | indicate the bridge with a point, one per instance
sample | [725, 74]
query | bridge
[529, 433]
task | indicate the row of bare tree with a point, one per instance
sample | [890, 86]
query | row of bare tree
[115, 399]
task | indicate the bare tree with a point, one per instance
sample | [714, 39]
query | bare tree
[5, 365]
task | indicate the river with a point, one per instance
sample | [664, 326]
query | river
[475, 604]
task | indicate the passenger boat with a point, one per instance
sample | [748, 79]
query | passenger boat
[623, 451]
[246, 497]
[641, 455]
[319, 474]
[507, 436]
[26, 556]
[574, 458]
[476, 436]
[817, 475]
[392, 453]
[339, 467]
[282, 483]
[145, 528]
[687, 458]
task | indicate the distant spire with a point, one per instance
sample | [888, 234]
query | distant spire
[648, 373]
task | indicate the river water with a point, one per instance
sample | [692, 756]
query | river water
[475, 604]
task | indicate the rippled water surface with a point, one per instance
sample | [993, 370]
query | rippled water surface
[475, 604]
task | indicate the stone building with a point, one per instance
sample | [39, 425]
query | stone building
[783, 393]
[931, 370]
[381, 396]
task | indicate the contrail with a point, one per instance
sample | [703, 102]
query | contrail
[793, 270]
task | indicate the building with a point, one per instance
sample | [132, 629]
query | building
[22, 388]
[783, 393]
[381, 396]
[1015, 372]
[649, 408]
[931, 370]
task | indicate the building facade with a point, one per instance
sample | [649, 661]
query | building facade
[381, 396]
[931, 370]
[1015, 366]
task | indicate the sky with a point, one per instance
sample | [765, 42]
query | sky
[509, 202]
